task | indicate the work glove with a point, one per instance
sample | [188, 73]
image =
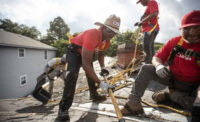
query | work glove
[105, 86]
[162, 71]
[104, 72]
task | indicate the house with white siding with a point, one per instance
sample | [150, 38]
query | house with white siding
[22, 60]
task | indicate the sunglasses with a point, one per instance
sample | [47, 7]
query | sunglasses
[109, 31]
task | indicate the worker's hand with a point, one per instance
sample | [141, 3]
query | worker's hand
[104, 72]
[162, 71]
[138, 24]
[105, 86]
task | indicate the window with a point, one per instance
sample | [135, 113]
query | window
[45, 54]
[21, 52]
[23, 80]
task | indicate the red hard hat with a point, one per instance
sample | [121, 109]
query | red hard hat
[191, 19]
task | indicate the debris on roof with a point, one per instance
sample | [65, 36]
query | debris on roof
[83, 109]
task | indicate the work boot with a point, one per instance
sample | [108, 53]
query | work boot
[63, 115]
[132, 109]
[97, 97]
[182, 99]
[160, 96]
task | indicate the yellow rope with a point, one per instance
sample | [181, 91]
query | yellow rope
[160, 106]
[132, 65]
[167, 107]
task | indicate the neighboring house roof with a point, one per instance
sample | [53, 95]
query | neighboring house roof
[16, 40]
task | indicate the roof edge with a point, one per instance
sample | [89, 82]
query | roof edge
[31, 47]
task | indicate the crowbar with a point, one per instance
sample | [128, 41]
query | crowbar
[117, 110]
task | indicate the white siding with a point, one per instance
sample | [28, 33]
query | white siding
[12, 67]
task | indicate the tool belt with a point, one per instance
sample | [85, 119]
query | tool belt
[74, 48]
[186, 87]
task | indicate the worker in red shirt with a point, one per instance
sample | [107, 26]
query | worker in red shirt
[150, 27]
[176, 65]
[80, 53]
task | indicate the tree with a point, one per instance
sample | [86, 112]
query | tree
[61, 45]
[57, 30]
[22, 29]
[30, 32]
[126, 37]
[8, 25]
[47, 40]
[158, 45]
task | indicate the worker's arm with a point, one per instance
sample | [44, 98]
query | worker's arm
[87, 59]
[150, 16]
[101, 59]
[156, 61]
[104, 71]
[147, 18]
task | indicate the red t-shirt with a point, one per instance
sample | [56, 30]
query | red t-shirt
[182, 68]
[91, 40]
[152, 7]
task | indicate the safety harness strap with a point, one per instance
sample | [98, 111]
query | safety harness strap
[153, 27]
[187, 52]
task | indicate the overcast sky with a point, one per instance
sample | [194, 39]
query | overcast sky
[81, 14]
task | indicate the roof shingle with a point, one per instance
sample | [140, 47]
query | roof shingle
[16, 40]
